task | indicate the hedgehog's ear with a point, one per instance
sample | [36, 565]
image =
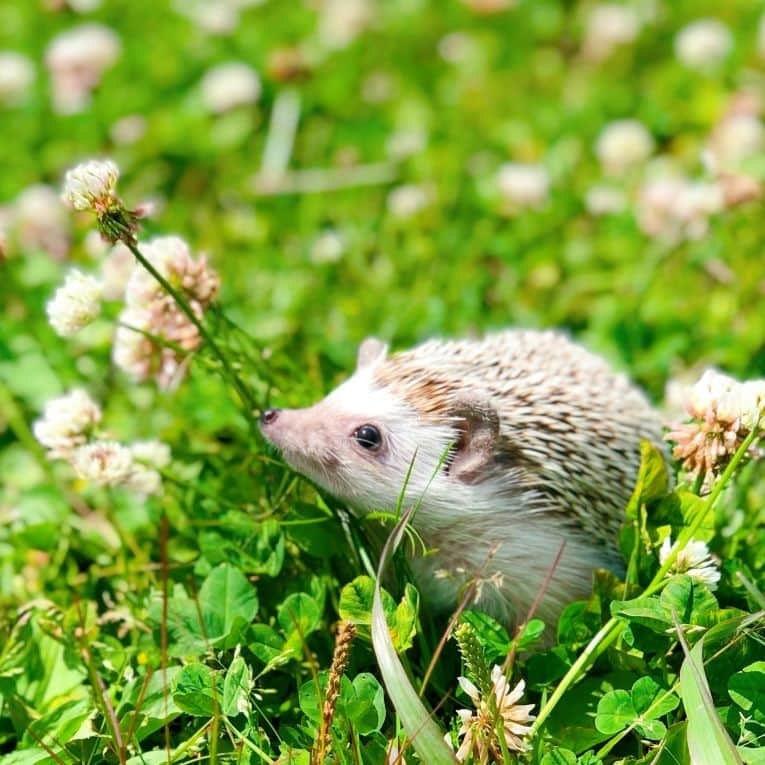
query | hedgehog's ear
[477, 439]
[371, 351]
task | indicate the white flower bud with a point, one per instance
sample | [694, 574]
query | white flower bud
[91, 185]
[703, 44]
[694, 559]
[525, 185]
[75, 304]
[106, 463]
[17, 73]
[227, 86]
[407, 200]
[144, 481]
[608, 26]
[152, 452]
[622, 144]
[77, 59]
[66, 422]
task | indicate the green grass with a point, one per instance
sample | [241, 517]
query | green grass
[199, 626]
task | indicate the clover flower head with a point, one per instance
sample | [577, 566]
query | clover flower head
[91, 185]
[478, 728]
[143, 481]
[608, 26]
[107, 463]
[407, 200]
[703, 44]
[622, 144]
[694, 559]
[675, 209]
[17, 73]
[40, 221]
[523, 184]
[77, 59]
[75, 304]
[66, 422]
[152, 311]
[152, 452]
[724, 411]
[226, 86]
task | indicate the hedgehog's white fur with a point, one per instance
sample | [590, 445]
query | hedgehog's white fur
[542, 441]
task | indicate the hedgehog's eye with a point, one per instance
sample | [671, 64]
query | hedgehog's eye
[368, 437]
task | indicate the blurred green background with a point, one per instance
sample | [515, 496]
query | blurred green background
[402, 168]
[440, 94]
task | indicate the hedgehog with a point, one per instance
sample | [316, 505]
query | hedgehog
[514, 447]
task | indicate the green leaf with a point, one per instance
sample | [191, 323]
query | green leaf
[647, 611]
[615, 712]
[649, 698]
[652, 481]
[708, 741]
[60, 724]
[491, 634]
[237, 687]
[194, 692]
[228, 602]
[298, 617]
[365, 704]
[747, 689]
[403, 625]
[559, 757]
[690, 599]
[356, 606]
[269, 647]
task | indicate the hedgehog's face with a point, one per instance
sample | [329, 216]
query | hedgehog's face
[364, 444]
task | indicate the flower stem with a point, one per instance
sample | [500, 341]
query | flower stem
[183, 304]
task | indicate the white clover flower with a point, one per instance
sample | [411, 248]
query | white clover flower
[479, 727]
[608, 26]
[152, 452]
[150, 309]
[143, 481]
[724, 411]
[694, 559]
[91, 185]
[405, 143]
[407, 200]
[622, 144]
[127, 130]
[66, 422]
[342, 21]
[703, 44]
[524, 185]
[736, 138]
[75, 304]
[229, 85]
[41, 222]
[17, 74]
[605, 200]
[328, 247]
[106, 463]
[77, 59]
[116, 270]
[675, 209]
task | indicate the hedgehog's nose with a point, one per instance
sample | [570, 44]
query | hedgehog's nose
[269, 416]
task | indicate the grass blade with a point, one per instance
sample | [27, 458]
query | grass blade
[708, 741]
[425, 735]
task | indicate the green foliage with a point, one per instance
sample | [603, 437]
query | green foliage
[197, 625]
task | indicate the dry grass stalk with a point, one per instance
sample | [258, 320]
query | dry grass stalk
[345, 636]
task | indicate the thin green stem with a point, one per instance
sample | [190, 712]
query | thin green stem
[714, 495]
[183, 304]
